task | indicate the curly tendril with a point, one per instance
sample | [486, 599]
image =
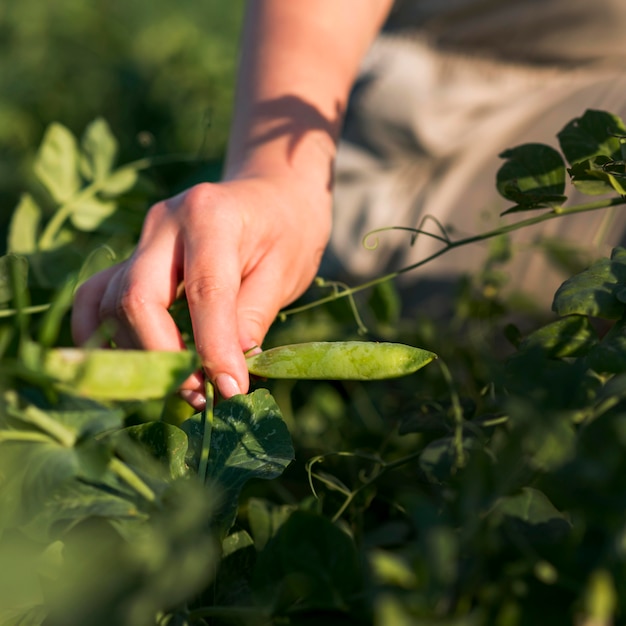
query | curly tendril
[371, 241]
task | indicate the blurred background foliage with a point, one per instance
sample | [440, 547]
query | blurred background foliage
[161, 73]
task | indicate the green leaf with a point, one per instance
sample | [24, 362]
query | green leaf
[56, 163]
[89, 214]
[73, 503]
[529, 505]
[165, 442]
[309, 565]
[24, 226]
[119, 182]
[595, 291]
[571, 336]
[609, 355]
[590, 177]
[99, 148]
[249, 440]
[8, 265]
[533, 177]
[119, 374]
[265, 518]
[591, 135]
[589, 143]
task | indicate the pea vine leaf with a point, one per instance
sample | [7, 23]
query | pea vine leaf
[599, 291]
[533, 176]
[591, 143]
[249, 440]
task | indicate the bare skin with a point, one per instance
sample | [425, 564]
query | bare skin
[246, 247]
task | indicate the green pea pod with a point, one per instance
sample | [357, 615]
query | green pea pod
[339, 360]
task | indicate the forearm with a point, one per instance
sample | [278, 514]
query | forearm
[299, 60]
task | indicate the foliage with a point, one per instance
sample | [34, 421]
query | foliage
[480, 490]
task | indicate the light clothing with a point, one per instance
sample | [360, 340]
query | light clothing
[434, 106]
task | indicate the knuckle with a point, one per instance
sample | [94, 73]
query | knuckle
[127, 306]
[206, 289]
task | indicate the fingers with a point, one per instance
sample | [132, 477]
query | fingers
[212, 282]
[86, 309]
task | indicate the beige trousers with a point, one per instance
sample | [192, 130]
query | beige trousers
[422, 138]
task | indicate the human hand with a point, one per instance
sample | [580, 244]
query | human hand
[243, 248]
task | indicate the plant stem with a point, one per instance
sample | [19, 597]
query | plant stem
[450, 245]
[207, 429]
[36, 308]
[131, 479]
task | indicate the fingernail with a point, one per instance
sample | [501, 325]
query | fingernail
[227, 385]
[194, 398]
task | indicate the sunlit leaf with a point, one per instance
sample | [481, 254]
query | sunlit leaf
[595, 291]
[12, 265]
[533, 176]
[99, 148]
[119, 181]
[56, 164]
[591, 135]
[164, 442]
[570, 336]
[589, 143]
[24, 226]
[89, 214]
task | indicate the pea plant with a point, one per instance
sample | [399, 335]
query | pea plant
[360, 482]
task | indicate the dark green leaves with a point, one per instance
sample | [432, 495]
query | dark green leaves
[590, 143]
[249, 440]
[309, 565]
[599, 291]
[533, 177]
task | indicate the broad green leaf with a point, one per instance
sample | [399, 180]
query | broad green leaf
[570, 336]
[591, 177]
[24, 226]
[165, 442]
[599, 291]
[119, 374]
[529, 505]
[309, 565]
[89, 422]
[12, 265]
[74, 502]
[265, 518]
[56, 164]
[609, 355]
[109, 579]
[249, 439]
[533, 176]
[590, 142]
[118, 182]
[99, 148]
[88, 214]
[591, 135]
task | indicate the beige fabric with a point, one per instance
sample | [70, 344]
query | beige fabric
[422, 138]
